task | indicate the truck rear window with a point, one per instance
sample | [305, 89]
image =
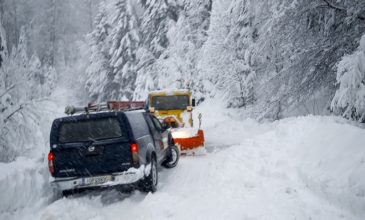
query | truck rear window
[90, 130]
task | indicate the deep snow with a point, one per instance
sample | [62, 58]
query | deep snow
[297, 168]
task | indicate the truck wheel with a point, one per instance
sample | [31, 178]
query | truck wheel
[149, 183]
[67, 193]
[57, 194]
[172, 160]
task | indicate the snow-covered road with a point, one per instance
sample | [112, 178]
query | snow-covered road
[296, 168]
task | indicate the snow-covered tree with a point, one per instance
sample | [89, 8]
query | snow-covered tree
[124, 43]
[158, 18]
[238, 81]
[187, 38]
[229, 53]
[3, 47]
[212, 62]
[55, 27]
[23, 82]
[99, 68]
[114, 42]
[349, 100]
[274, 57]
[176, 65]
[155, 24]
[147, 74]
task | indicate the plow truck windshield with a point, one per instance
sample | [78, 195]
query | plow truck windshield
[180, 102]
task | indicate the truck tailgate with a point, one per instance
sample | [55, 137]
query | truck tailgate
[93, 159]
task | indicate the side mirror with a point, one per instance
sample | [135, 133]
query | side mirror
[164, 126]
[193, 103]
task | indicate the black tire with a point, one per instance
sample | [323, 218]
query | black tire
[149, 183]
[67, 193]
[57, 194]
[173, 157]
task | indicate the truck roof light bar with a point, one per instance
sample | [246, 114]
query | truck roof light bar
[108, 106]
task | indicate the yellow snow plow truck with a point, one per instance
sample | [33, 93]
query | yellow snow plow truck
[174, 109]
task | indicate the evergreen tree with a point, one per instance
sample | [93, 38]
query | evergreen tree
[189, 36]
[3, 49]
[228, 62]
[146, 79]
[99, 69]
[349, 100]
[155, 25]
[23, 82]
[124, 43]
[152, 74]
[114, 42]
[241, 76]
[185, 25]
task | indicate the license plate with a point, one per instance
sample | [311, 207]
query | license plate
[97, 180]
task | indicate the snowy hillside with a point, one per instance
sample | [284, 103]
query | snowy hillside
[297, 168]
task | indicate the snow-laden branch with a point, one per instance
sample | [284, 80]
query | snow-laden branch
[13, 113]
[22, 107]
[7, 90]
[339, 8]
[332, 5]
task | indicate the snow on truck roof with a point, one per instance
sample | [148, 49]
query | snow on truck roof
[170, 92]
[110, 106]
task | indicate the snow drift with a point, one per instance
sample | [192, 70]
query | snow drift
[297, 168]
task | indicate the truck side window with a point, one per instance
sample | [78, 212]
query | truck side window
[157, 123]
[151, 124]
[139, 125]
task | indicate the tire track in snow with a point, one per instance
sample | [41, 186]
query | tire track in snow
[238, 182]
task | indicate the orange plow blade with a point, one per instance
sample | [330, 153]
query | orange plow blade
[190, 143]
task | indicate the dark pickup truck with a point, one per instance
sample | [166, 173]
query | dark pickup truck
[110, 148]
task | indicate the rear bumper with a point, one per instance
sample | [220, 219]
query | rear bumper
[124, 178]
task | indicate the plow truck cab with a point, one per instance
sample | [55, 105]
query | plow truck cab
[175, 110]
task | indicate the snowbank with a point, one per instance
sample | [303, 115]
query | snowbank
[326, 154]
[297, 168]
[23, 185]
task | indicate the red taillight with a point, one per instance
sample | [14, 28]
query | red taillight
[134, 148]
[50, 156]
[135, 157]
[50, 162]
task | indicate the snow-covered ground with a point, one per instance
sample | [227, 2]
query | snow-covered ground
[298, 168]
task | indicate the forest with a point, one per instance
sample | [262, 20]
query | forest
[266, 60]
